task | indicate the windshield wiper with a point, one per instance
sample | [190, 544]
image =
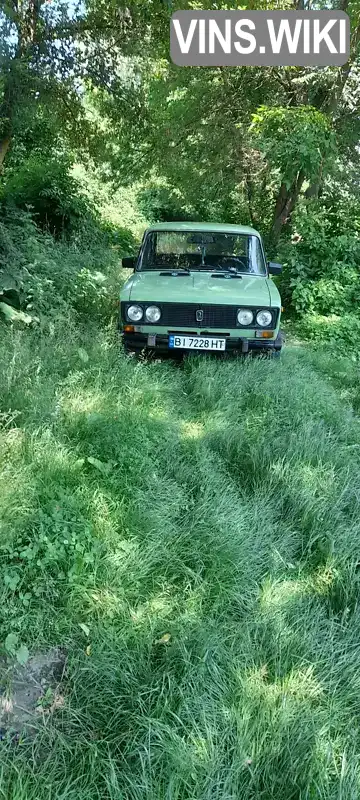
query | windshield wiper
[175, 272]
[231, 270]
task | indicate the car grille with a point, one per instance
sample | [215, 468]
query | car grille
[183, 315]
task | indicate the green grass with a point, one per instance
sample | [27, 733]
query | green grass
[220, 509]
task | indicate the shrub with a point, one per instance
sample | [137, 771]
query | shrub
[322, 260]
[115, 236]
[46, 278]
[161, 204]
[342, 331]
[49, 192]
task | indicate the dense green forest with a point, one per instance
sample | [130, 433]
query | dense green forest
[179, 544]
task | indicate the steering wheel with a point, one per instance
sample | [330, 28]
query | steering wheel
[235, 259]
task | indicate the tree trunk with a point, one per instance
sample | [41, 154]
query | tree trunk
[285, 204]
[250, 197]
[6, 114]
[7, 109]
[4, 146]
[312, 192]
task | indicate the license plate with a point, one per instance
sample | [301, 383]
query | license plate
[197, 343]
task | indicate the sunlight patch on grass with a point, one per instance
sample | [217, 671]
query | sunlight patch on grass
[159, 411]
[277, 594]
[83, 402]
[108, 514]
[192, 430]
[103, 603]
[319, 479]
[300, 685]
[201, 749]
[50, 454]
[17, 498]
[181, 607]
[12, 439]
[126, 552]
[158, 607]
[17, 485]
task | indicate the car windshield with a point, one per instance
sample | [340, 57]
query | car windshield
[199, 250]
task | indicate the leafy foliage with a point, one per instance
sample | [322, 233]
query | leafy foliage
[338, 331]
[48, 190]
[294, 140]
[322, 261]
[159, 203]
[47, 280]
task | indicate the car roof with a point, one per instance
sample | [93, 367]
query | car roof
[213, 227]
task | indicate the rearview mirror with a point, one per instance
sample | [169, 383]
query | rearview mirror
[201, 239]
[128, 262]
[274, 268]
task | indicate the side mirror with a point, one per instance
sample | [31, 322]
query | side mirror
[129, 262]
[274, 268]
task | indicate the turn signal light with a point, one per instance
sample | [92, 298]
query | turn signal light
[129, 328]
[265, 334]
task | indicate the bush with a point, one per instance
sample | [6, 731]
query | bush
[49, 192]
[49, 279]
[322, 260]
[91, 293]
[118, 237]
[161, 204]
[334, 330]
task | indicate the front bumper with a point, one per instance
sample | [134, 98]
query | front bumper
[159, 343]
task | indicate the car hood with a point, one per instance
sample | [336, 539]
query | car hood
[198, 287]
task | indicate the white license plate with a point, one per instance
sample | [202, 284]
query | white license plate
[197, 342]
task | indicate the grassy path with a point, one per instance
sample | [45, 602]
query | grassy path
[190, 536]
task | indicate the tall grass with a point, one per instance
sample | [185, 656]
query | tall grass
[203, 521]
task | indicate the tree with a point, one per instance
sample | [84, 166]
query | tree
[297, 143]
[40, 73]
[53, 50]
[194, 126]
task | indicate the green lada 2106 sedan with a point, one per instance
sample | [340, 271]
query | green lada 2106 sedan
[203, 287]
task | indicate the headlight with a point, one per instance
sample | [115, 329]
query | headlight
[135, 313]
[264, 318]
[153, 313]
[245, 317]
